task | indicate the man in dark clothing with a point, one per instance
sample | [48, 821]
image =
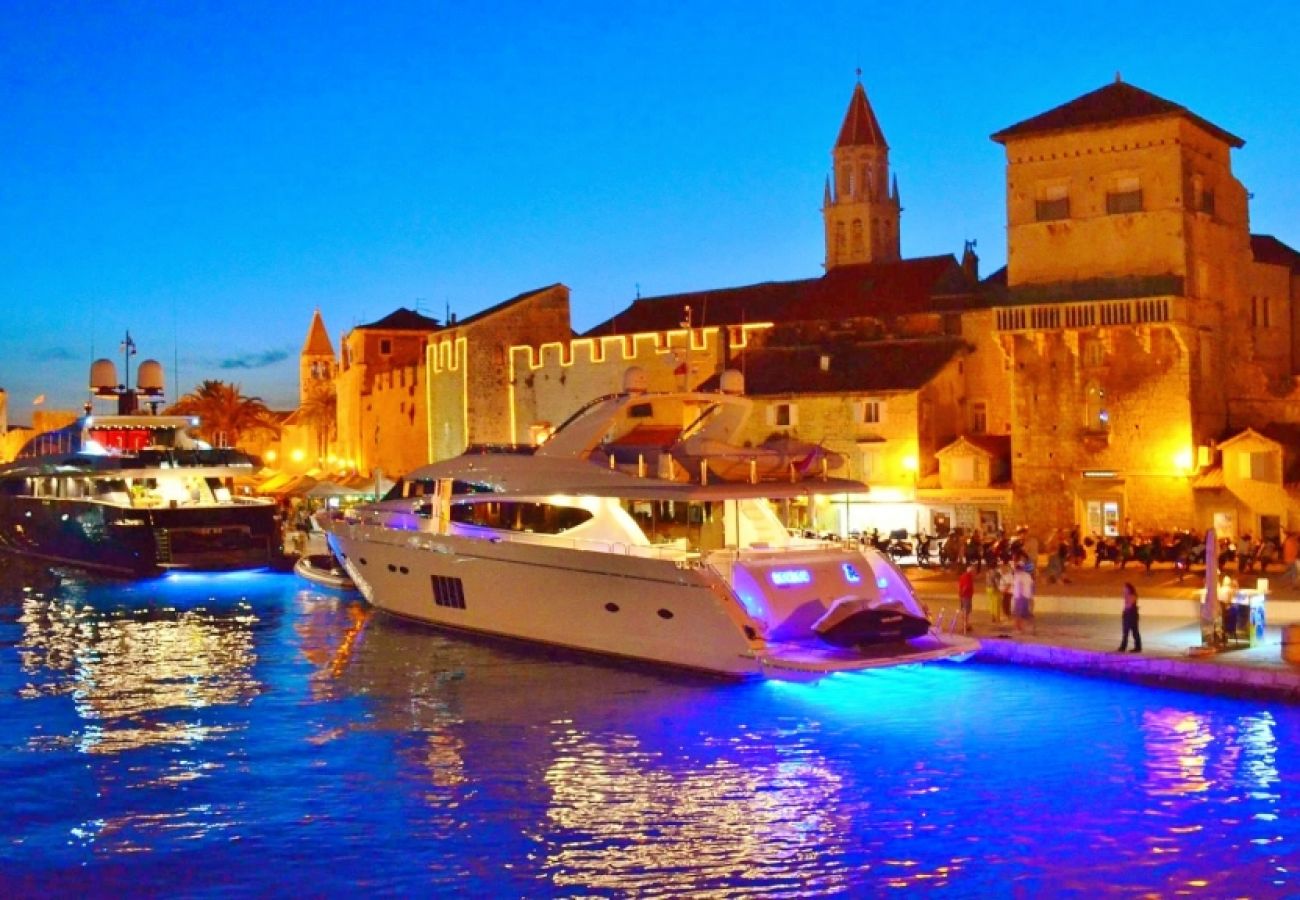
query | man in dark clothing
[1130, 620]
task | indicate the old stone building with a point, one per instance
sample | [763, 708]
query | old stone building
[1138, 318]
[380, 390]
[1134, 366]
[469, 373]
[308, 434]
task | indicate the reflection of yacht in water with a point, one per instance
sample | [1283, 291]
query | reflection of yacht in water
[133, 493]
[576, 544]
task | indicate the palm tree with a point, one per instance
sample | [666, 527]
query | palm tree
[319, 411]
[224, 412]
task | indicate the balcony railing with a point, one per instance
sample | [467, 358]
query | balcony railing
[1064, 316]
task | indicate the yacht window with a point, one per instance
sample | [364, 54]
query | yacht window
[641, 411]
[538, 518]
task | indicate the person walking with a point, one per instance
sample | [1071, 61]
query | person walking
[1022, 595]
[1129, 619]
[966, 595]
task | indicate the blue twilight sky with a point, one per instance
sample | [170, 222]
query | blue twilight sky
[207, 173]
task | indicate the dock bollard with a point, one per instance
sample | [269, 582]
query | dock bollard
[1291, 643]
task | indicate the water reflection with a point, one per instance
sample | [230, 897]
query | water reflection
[131, 666]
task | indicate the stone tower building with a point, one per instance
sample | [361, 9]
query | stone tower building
[317, 364]
[860, 209]
[1126, 322]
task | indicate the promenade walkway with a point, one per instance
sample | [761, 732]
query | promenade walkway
[1077, 627]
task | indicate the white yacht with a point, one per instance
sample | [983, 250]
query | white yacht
[602, 540]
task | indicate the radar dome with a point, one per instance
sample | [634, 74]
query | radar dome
[150, 379]
[731, 382]
[635, 381]
[103, 376]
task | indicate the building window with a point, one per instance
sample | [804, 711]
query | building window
[1053, 203]
[873, 412]
[783, 415]
[1096, 415]
[979, 418]
[1124, 196]
[385, 346]
[871, 466]
[1260, 314]
[855, 238]
[841, 242]
[1257, 466]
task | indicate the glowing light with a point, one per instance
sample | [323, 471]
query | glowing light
[851, 574]
[297, 456]
[272, 456]
[909, 463]
[790, 577]
[1183, 460]
[882, 582]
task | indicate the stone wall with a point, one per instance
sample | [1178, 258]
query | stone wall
[469, 365]
[552, 381]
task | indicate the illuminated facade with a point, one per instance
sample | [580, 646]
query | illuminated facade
[1139, 320]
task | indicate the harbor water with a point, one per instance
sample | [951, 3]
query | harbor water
[251, 734]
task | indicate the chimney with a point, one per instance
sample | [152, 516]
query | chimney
[970, 263]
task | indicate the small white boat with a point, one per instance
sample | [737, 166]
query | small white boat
[323, 569]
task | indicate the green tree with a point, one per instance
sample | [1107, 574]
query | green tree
[225, 414]
[319, 411]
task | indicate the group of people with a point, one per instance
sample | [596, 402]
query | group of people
[1009, 587]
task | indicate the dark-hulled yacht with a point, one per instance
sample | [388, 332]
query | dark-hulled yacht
[134, 493]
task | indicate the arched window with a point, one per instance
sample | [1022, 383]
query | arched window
[840, 242]
[846, 182]
[855, 238]
[1096, 410]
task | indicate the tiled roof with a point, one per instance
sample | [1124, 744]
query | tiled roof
[860, 127]
[403, 320]
[997, 446]
[871, 290]
[866, 367]
[1116, 102]
[504, 304]
[318, 339]
[1268, 249]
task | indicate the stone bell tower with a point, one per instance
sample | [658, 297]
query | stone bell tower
[860, 207]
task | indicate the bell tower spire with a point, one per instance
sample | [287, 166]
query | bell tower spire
[860, 211]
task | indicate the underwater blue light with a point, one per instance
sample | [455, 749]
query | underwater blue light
[851, 574]
[790, 577]
[882, 582]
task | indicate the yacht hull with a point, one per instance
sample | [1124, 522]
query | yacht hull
[138, 541]
[627, 606]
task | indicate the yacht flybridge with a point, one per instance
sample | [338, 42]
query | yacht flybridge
[133, 493]
[639, 529]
